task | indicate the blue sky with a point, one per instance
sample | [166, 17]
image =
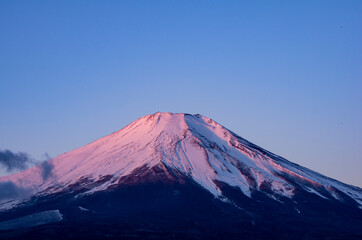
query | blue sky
[285, 75]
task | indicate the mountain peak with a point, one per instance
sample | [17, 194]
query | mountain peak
[183, 166]
[171, 123]
[168, 119]
[192, 146]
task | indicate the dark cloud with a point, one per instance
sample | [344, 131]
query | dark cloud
[46, 168]
[15, 161]
[20, 161]
[8, 190]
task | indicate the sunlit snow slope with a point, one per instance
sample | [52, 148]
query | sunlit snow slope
[193, 145]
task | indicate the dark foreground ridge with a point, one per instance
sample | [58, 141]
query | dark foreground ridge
[165, 208]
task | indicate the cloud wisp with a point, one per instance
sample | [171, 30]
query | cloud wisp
[21, 161]
[9, 190]
[15, 161]
[46, 170]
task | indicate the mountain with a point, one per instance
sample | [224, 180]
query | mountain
[176, 176]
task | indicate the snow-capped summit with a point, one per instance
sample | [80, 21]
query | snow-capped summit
[176, 176]
[187, 145]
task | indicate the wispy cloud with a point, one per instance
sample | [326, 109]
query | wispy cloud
[46, 167]
[20, 161]
[15, 161]
[9, 190]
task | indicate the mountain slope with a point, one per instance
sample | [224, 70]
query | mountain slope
[191, 144]
[181, 157]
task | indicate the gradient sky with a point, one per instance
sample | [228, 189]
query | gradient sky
[286, 75]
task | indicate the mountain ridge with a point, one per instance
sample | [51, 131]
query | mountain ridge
[195, 145]
[176, 176]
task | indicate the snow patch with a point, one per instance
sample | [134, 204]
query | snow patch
[83, 209]
[311, 190]
[296, 209]
[32, 220]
